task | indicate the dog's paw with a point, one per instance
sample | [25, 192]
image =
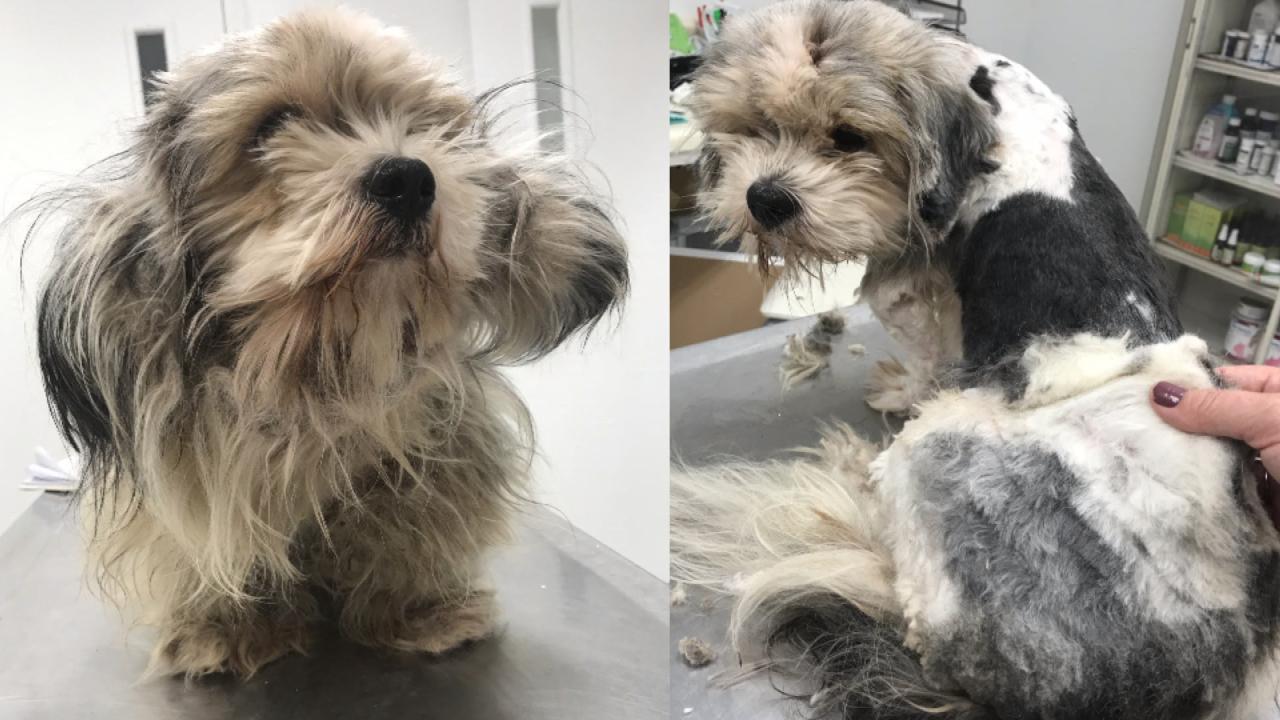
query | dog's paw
[437, 629]
[201, 648]
[893, 388]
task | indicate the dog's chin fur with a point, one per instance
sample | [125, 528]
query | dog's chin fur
[286, 398]
[1036, 543]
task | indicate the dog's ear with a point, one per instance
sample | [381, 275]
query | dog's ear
[99, 316]
[555, 260]
[951, 137]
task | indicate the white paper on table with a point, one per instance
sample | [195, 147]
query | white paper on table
[54, 475]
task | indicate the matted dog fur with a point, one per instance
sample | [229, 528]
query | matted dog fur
[272, 328]
[1036, 543]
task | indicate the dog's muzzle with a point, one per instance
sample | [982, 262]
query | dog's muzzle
[771, 204]
[403, 187]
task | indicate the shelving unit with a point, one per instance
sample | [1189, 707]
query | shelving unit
[1198, 80]
[1227, 275]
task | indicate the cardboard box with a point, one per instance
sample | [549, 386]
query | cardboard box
[1206, 211]
[1178, 215]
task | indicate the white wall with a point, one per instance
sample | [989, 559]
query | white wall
[1109, 59]
[69, 87]
[602, 411]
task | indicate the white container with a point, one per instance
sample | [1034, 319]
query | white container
[1273, 353]
[1270, 273]
[1244, 155]
[1247, 322]
[1264, 155]
[1241, 46]
[1265, 16]
[1212, 127]
[1252, 263]
[1258, 46]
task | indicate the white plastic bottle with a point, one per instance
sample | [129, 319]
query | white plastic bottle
[1265, 17]
[1209, 134]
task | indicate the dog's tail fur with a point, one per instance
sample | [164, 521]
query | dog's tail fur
[797, 545]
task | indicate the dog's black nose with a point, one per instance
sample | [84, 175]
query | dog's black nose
[771, 204]
[404, 187]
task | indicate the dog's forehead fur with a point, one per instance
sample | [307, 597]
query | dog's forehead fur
[798, 66]
[330, 67]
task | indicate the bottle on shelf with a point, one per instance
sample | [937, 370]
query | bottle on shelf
[1213, 126]
[1229, 252]
[1248, 224]
[1263, 149]
[1257, 52]
[1248, 138]
[1220, 245]
[1264, 17]
[1230, 148]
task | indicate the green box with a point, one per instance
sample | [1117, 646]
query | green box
[1206, 212]
[1178, 214]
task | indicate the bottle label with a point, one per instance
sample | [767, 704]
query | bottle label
[1204, 138]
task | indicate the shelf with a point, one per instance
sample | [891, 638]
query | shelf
[1208, 267]
[1222, 67]
[732, 256]
[1261, 184]
[683, 158]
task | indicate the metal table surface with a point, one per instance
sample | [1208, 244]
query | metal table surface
[726, 400]
[584, 638]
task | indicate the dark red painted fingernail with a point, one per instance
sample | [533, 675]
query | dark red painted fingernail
[1167, 394]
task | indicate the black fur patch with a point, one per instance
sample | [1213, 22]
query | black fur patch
[1040, 266]
[983, 85]
[963, 138]
[845, 643]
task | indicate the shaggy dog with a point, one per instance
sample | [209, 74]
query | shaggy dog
[272, 329]
[1036, 543]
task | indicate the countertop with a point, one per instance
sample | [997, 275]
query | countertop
[584, 638]
[727, 401]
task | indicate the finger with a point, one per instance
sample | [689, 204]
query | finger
[1248, 416]
[1254, 378]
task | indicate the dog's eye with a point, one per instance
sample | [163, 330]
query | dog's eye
[847, 139]
[272, 122]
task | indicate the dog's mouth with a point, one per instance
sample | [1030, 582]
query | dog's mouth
[394, 238]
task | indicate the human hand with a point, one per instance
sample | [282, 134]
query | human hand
[1249, 411]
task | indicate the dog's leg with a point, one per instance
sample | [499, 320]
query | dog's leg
[137, 562]
[405, 565]
[921, 311]
[217, 634]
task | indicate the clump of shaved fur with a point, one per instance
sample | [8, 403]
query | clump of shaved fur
[803, 357]
[696, 652]
[281, 391]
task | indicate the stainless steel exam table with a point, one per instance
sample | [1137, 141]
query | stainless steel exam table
[726, 400]
[584, 639]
